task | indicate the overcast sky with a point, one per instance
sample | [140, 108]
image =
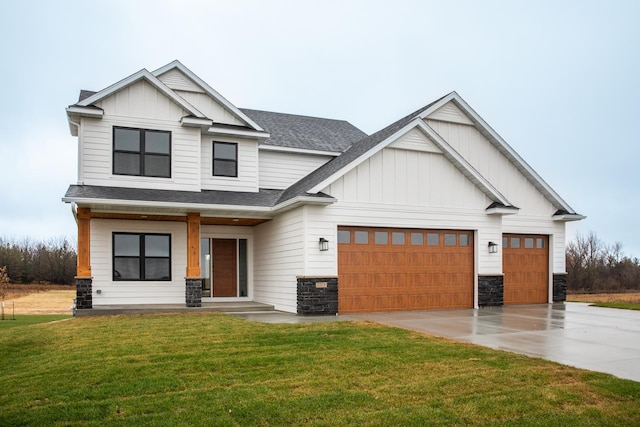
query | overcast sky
[558, 80]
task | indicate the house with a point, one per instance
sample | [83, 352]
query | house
[184, 198]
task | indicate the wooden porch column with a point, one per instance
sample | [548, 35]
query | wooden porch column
[83, 216]
[193, 245]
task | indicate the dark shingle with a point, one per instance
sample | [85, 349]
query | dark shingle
[265, 198]
[84, 94]
[310, 133]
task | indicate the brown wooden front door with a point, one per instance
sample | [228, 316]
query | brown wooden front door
[386, 269]
[525, 264]
[224, 266]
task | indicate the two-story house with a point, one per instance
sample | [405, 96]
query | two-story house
[183, 198]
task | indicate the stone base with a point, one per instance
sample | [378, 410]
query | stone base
[559, 287]
[317, 295]
[193, 292]
[84, 290]
[490, 290]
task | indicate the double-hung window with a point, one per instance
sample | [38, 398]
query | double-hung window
[141, 256]
[225, 159]
[141, 152]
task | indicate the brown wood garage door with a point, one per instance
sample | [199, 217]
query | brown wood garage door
[525, 264]
[386, 269]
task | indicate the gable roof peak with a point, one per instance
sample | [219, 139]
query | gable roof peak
[175, 64]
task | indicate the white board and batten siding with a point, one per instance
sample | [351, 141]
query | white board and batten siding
[198, 97]
[279, 170]
[278, 260]
[136, 292]
[494, 166]
[535, 214]
[139, 106]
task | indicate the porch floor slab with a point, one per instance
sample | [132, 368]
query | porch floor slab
[224, 307]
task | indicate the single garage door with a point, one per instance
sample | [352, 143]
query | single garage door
[525, 264]
[387, 269]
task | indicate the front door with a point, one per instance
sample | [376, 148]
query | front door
[224, 267]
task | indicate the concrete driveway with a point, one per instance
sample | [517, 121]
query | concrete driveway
[598, 339]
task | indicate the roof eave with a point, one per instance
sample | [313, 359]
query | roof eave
[213, 130]
[568, 217]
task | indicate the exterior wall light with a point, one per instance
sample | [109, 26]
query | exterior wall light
[323, 244]
[493, 248]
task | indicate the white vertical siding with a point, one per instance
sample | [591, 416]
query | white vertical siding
[495, 167]
[247, 179]
[210, 108]
[278, 170]
[404, 177]
[139, 106]
[112, 292]
[278, 259]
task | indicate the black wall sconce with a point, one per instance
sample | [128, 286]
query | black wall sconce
[323, 244]
[493, 248]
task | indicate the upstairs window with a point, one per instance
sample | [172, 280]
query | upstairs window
[141, 152]
[225, 159]
[141, 256]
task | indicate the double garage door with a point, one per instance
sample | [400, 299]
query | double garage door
[388, 269]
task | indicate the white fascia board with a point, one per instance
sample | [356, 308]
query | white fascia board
[213, 130]
[211, 91]
[171, 205]
[503, 146]
[568, 217]
[142, 74]
[195, 122]
[93, 112]
[266, 147]
[302, 200]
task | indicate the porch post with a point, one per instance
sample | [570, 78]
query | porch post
[193, 284]
[84, 292]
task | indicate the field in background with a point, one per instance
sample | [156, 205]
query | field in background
[633, 298]
[39, 299]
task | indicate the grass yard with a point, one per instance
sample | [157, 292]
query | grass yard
[24, 320]
[628, 301]
[214, 369]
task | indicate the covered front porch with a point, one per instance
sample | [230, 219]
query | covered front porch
[221, 307]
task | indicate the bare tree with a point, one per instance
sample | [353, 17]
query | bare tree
[4, 286]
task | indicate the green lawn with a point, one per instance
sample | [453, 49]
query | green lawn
[213, 369]
[624, 305]
[23, 320]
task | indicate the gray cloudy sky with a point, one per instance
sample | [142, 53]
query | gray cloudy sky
[558, 80]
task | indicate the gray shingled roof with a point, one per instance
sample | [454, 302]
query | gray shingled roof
[84, 94]
[311, 133]
[354, 152]
[264, 198]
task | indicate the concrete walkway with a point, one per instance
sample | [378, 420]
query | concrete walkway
[598, 339]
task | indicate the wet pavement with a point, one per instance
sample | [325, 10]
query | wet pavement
[594, 338]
